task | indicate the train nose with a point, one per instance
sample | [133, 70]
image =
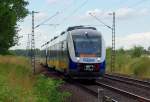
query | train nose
[88, 67]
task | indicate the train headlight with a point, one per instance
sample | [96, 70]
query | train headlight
[78, 59]
[98, 59]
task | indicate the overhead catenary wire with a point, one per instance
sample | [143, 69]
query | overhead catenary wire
[56, 13]
[47, 19]
[100, 21]
[74, 11]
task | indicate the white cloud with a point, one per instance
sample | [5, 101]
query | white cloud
[142, 39]
[121, 13]
[126, 13]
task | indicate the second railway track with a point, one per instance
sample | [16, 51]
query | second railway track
[112, 93]
[130, 87]
[131, 81]
[136, 97]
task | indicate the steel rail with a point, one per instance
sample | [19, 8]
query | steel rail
[92, 92]
[131, 79]
[127, 82]
[128, 94]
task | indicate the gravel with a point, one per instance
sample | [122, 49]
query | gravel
[112, 94]
[78, 94]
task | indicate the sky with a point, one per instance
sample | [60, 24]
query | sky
[132, 20]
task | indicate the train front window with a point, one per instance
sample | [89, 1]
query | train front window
[87, 45]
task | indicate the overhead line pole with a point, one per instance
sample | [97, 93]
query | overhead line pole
[47, 20]
[33, 44]
[33, 37]
[113, 38]
[113, 52]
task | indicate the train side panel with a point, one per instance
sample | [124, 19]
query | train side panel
[58, 56]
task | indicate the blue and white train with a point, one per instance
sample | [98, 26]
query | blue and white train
[78, 52]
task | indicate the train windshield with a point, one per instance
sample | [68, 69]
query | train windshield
[87, 45]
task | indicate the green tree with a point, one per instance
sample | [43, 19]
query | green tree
[11, 12]
[137, 51]
[120, 51]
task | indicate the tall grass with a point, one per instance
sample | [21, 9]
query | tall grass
[125, 64]
[141, 67]
[17, 84]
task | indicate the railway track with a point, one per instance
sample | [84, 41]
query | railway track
[100, 85]
[131, 81]
[123, 92]
[95, 92]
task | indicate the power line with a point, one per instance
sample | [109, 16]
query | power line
[47, 19]
[58, 12]
[66, 7]
[100, 21]
[76, 10]
[72, 13]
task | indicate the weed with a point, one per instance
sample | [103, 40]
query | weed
[17, 84]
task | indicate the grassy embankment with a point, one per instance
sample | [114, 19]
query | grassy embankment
[125, 64]
[17, 84]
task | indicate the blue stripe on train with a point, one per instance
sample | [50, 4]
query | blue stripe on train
[72, 65]
[102, 67]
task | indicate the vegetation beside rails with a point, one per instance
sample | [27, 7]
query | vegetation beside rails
[132, 62]
[17, 84]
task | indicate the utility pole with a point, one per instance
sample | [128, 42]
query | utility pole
[33, 44]
[113, 52]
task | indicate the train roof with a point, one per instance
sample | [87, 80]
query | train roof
[90, 32]
[76, 30]
[80, 27]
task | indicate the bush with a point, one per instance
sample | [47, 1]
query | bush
[137, 51]
[47, 90]
[141, 67]
[130, 62]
